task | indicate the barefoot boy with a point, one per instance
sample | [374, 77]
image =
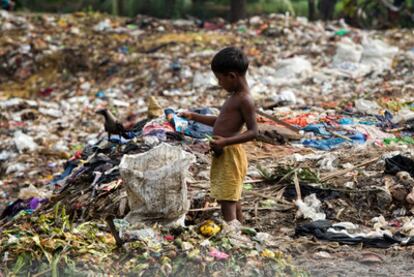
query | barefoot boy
[229, 164]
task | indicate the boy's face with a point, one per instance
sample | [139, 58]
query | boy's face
[226, 80]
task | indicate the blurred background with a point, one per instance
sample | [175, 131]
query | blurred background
[360, 13]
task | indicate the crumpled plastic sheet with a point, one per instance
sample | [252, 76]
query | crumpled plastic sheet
[325, 230]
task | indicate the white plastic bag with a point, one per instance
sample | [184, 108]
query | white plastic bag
[203, 80]
[310, 207]
[378, 54]
[403, 115]
[293, 68]
[347, 51]
[24, 142]
[155, 183]
[366, 106]
[286, 96]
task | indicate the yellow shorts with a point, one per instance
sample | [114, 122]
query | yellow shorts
[228, 172]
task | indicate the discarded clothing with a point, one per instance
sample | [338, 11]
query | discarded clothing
[306, 189]
[227, 173]
[323, 144]
[20, 205]
[301, 121]
[324, 230]
[318, 129]
[372, 133]
[69, 167]
[121, 140]
[332, 143]
[346, 121]
[158, 128]
[199, 130]
[180, 124]
[399, 163]
[385, 121]
[189, 127]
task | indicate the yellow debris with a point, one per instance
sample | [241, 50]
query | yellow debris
[209, 228]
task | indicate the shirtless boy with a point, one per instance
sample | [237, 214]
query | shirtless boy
[229, 164]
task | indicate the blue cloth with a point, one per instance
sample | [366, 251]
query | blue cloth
[318, 129]
[125, 138]
[346, 120]
[332, 143]
[323, 144]
[358, 138]
[69, 167]
[122, 140]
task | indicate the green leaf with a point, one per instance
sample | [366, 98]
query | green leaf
[20, 263]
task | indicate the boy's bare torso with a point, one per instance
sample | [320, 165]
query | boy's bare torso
[230, 120]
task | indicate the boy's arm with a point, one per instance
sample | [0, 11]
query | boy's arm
[249, 115]
[204, 119]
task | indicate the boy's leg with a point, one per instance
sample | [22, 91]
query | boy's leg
[228, 209]
[239, 213]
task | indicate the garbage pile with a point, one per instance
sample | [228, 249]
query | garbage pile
[336, 113]
[49, 243]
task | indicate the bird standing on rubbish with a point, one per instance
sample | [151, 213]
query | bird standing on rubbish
[112, 125]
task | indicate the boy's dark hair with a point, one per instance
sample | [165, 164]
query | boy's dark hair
[230, 59]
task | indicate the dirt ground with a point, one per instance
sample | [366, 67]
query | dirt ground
[347, 261]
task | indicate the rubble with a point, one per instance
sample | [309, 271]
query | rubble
[337, 110]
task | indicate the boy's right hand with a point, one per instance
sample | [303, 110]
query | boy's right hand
[187, 115]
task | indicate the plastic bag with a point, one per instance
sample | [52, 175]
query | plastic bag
[24, 142]
[155, 184]
[403, 115]
[378, 54]
[33, 192]
[293, 68]
[347, 51]
[399, 163]
[366, 106]
[310, 207]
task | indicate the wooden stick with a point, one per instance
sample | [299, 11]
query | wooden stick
[256, 208]
[243, 208]
[341, 136]
[395, 130]
[195, 183]
[42, 273]
[254, 181]
[297, 186]
[204, 209]
[255, 193]
[343, 171]
[267, 197]
[278, 121]
[109, 220]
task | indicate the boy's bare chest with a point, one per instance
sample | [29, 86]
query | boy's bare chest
[230, 112]
[231, 105]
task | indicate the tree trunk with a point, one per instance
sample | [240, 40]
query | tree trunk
[115, 7]
[311, 10]
[169, 8]
[327, 9]
[237, 10]
[121, 9]
[198, 8]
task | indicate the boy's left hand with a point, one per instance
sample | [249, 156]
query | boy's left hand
[218, 143]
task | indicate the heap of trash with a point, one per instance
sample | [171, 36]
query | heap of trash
[99, 174]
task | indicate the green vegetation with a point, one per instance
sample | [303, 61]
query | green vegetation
[360, 13]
